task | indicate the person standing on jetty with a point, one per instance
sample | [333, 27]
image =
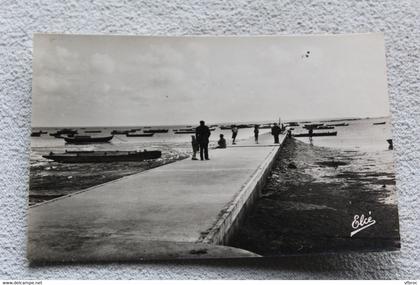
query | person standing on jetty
[202, 133]
[256, 132]
[275, 131]
[195, 146]
[234, 133]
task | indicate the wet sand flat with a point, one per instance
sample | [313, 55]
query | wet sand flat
[311, 198]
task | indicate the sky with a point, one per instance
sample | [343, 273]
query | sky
[86, 80]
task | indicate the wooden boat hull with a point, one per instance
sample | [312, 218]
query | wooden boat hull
[156, 131]
[87, 139]
[60, 133]
[102, 156]
[337, 125]
[140, 135]
[93, 131]
[184, 132]
[117, 132]
[316, 134]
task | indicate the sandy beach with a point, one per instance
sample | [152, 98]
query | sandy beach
[310, 200]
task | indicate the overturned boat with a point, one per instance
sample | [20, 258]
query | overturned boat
[323, 134]
[87, 139]
[102, 156]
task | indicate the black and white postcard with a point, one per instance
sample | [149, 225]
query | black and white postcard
[209, 147]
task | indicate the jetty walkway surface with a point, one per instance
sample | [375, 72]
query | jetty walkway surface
[186, 209]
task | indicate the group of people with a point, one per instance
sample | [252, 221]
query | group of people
[200, 142]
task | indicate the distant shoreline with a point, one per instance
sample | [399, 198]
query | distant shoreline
[217, 123]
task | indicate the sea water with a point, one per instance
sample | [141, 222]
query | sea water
[361, 135]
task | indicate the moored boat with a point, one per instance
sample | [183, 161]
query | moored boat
[139, 134]
[380, 123]
[183, 131]
[190, 130]
[324, 128]
[156, 131]
[92, 131]
[338, 125]
[225, 127]
[102, 156]
[68, 132]
[120, 132]
[315, 134]
[313, 126]
[87, 139]
[265, 126]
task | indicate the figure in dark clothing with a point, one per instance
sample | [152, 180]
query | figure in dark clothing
[256, 132]
[275, 131]
[221, 143]
[202, 133]
[311, 131]
[234, 133]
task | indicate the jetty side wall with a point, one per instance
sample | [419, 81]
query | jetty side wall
[232, 217]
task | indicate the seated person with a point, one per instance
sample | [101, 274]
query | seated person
[221, 143]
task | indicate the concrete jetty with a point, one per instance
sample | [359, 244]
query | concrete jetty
[186, 209]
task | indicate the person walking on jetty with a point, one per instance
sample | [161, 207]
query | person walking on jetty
[221, 143]
[275, 131]
[234, 133]
[202, 133]
[256, 132]
[195, 147]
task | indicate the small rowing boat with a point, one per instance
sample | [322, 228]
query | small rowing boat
[140, 135]
[102, 156]
[380, 123]
[87, 139]
[92, 131]
[316, 134]
[338, 125]
[156, 131]
[59, 133]
[185, 132]
[324, 128]
[119, 132]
